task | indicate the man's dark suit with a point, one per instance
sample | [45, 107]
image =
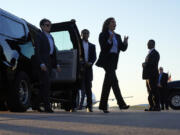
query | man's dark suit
[163, 79]
[108, 61]
[42, 56]
[88, 76]
[150, 74]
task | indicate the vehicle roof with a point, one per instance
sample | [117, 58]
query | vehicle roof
[7, 14]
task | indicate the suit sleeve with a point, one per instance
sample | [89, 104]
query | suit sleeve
[93, 55]
[104, 44]
[122, 46]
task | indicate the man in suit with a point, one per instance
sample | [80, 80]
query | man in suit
[45, 54]
[90, 58]
[162, 85]
[150, 74]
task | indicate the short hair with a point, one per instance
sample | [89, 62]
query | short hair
[43, 21]
[84, 30]
[152, 42]
[160, 68]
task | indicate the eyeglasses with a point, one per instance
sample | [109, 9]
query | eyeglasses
[48, 25]
[85, 33]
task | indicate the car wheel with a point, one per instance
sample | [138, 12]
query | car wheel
[175, 101]
[19, 98]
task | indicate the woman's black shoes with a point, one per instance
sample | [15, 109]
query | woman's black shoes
[124, 107]
[105, 111]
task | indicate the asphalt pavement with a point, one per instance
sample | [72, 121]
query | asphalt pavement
[117, 122]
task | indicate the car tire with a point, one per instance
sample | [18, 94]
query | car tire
[19, 98]
[174, 101]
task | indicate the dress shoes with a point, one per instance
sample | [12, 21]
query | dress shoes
[73, 110]
[48, 110]
[152, 109]
[156, 109]
[124, 107]
[89, 110]
[104, 110]
[147, 110]
[40, 109]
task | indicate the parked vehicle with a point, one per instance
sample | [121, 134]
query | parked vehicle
[174, 94]
[18, 81]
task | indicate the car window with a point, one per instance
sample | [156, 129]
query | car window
[62, 40]
[27, 49]
[12, 28]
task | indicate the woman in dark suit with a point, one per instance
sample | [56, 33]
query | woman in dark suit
[110, 44]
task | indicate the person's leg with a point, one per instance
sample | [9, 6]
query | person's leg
[89, 93]
[116, 89]
[105, 91]
[44, 92]
[82, 94]
[166, 93]
[161, 93]
[155, 93]
[150, 96]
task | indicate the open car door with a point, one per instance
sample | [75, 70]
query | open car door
[69, 51]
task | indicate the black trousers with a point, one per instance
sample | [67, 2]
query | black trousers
[86, 89]
[110, 81]
[164, 97]
[153, 92]
[44, 93]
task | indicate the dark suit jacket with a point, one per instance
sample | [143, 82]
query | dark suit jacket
[42, 51]
[106, 47]
[150, 70]
[164, 80]
[91, 59]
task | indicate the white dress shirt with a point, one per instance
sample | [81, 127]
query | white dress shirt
[150, 51]
[51, 42]
[114, 48]
[86, 50]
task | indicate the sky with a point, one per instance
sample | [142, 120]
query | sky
[141, 20]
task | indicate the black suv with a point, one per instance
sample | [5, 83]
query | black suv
[18, 83]
[174, 94]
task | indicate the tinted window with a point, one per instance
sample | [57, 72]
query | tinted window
[11, 28]
[62, 40]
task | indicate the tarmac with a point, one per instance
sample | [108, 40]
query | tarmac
[117, 122]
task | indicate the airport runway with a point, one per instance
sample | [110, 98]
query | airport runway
[129, 122]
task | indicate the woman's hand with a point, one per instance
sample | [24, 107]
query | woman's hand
[126, 39]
